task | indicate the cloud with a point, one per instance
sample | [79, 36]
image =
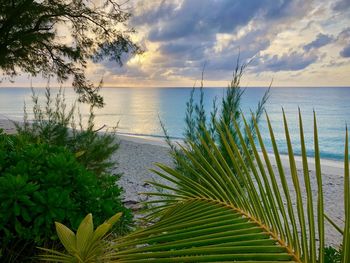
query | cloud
[152, 12]
[180, 36]
[186, 34]
[341, 5]
[320, 41]
[190, 33]
[344, 35]
[197, 18]
[181, 49]
[344, 40]
[287, 62]
[203, 19]
[345, 53]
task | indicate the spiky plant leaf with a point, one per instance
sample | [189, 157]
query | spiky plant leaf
[114, 219]
[67, 237]
[246, 214]
[87, 246]
[84, 234]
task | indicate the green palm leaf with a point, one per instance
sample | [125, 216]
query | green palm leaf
[247, 216]
[201, 231]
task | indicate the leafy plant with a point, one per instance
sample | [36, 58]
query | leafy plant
[86, 245]
[31, 39]
[332, 255]
[220, 220]
[198, 122]
[54, 123]
[42, 183]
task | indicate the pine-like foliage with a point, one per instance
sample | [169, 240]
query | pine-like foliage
[197, 120]
[56, 124]
[60, 37]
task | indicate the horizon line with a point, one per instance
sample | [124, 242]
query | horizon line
[175, 87]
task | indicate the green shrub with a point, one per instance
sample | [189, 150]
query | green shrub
[222, 116]
[332, 255]
[54, 123]
[42, 183]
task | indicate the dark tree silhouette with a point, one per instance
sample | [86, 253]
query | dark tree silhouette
[58, 37]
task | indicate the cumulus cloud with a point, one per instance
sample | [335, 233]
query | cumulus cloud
[345, 53]
[205, 19]
[186, 34]
[342, 5]
[344, 35]
[189, 31]
[197, 18]
[344, 40]
[320, 41]
[183, 50]
[287, 62]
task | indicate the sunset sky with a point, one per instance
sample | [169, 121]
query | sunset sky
[295, 43]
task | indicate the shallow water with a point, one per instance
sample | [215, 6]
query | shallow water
[138, 111]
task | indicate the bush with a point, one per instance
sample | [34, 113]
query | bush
[54, 123]
[42, 183]
[201, 124]
[332, 255]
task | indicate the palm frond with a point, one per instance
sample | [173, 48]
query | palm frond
[201, 230]
[250, 215]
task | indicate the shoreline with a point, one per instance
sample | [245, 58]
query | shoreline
[330, 165]
[327, 165]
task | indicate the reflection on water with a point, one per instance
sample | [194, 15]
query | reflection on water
[136, 110]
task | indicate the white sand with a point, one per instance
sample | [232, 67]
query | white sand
[134, 158]
[137, 155]
[7, 126]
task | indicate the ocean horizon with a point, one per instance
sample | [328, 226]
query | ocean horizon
[138, 111]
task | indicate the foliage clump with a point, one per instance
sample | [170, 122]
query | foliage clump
[332, 255]
[59, 37]
[200, 124]
[54, 123]
[41, 183]
[56, 168]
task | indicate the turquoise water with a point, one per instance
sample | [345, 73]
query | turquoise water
[138, 111]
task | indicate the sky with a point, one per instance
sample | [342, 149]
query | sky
[293, 43]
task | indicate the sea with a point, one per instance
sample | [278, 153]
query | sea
[138, 111]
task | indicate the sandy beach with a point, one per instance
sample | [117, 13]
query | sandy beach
[137, 155]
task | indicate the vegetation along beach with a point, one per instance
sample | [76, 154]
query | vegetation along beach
[174, 131]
